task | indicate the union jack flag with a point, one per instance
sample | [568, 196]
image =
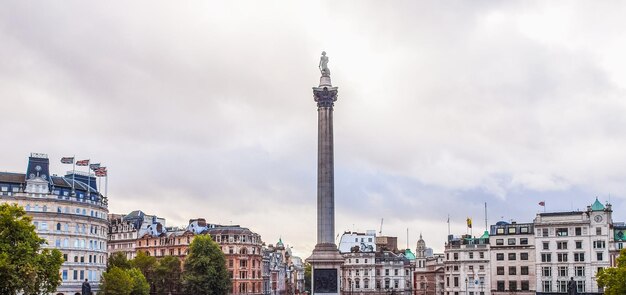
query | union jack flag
[67, 160]
[94, 166]
[82, 163]
[101, 172]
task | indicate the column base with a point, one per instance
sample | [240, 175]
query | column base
[326, 262]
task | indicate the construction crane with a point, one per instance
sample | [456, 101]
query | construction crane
[380, 232]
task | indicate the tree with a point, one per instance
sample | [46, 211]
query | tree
[24, 266]
[613, 279]
[118, 259]
[205, 268]
[116, 281]
[140, 285]
[167, 275]
[119, 281]
[147, 265]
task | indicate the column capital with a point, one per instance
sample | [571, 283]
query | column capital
[325, 96]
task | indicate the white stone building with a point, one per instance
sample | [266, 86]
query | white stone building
[572, 245]
[69, 213]
[467, 265]
[512, 248]
[366, 242]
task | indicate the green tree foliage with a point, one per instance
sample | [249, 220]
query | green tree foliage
[147, 265]
[119, 281]
[307, 277]
[140, 285]
[24, 266]
[205, 268]
[116, 281]
[167, 275]
[613, 279]
[118, 259]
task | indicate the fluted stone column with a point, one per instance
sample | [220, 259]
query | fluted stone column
[325, 259]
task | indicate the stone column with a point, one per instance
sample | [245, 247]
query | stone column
[325, 260]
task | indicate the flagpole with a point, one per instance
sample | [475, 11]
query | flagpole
[448, 224]
[88, 181]
[73, 173]
[486, 225]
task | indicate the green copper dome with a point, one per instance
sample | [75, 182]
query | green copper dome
[597, 206]
[485, 235]
[409, 255]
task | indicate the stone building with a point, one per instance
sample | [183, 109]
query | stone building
[617, 241]
[512, 258]
[244, 257]
[125, 230]
[467, 265]
[572, 244]
[428, 277]
[69, 213]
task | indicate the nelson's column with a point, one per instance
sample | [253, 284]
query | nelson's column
[325, 261]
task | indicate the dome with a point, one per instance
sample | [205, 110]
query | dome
[597, 206]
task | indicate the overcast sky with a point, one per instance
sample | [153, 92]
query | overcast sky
[205, 109]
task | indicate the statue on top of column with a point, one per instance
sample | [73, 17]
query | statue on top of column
[324, 64]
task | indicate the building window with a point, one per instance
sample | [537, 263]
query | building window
[580, 271]
[525, 286]
[512, 285]
[561, 257]
[578, 231]
[546, 245]
[598, 231]
[456, 256]
[561, 286]
[512, 270]
[471, 255]
[511, 241]
[544, 232]
[456, 281]
[562, 271]
[579, 244]
[579, 257]
[499, 242]
[500, 270]
[561, 245]
[481, 255]
[546, 271]
[500, 285]
[524, 270]
[500, 256]
[64, 275]
[512, 256]
[547, 286]
[580, 285]
[523, 256]
[523, 241]
[562, 232]
[523, 230]
[599, 255]
[599, 244]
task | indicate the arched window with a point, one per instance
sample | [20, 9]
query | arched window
[66, 243]
[57, 243]
[75, 258]
[58, 209]
[59, 226]
[66, 227]
[45, 208]
[27, 207]
[243, 251]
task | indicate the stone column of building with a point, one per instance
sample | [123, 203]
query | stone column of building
[325, 260]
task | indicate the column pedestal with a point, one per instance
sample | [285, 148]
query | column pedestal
[325, 269]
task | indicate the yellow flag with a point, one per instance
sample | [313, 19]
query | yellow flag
[469, 222]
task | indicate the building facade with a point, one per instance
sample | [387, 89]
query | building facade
[467, 265]
[69, 213]
[244, 257]
[429, 276]
[572, 245]
[512, 258]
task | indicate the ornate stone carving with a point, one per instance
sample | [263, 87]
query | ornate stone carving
[325, 97]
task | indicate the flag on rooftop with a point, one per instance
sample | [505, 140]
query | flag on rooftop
[94, 166]
[67, 160]
[542, 203]
[82, 162]
[469, 222]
